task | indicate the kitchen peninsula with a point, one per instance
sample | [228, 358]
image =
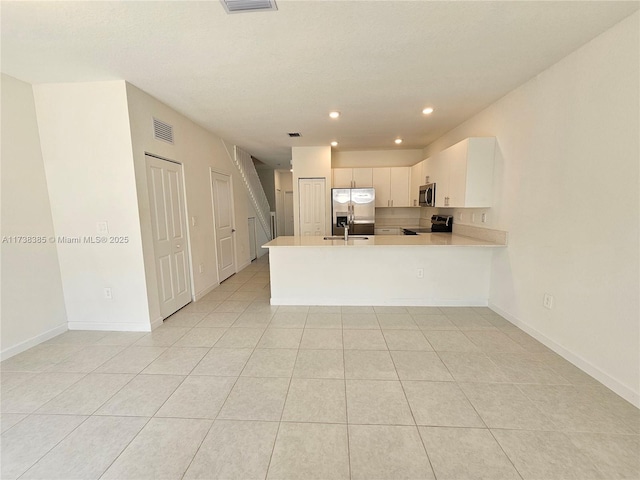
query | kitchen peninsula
[431, 269]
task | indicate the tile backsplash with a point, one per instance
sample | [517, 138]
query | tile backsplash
[461, 216]
[398, 217]
[469, 220]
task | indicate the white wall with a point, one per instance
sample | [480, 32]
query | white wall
[567, 192]
[33, 307]
[261, 235]
[86, 146]
[286, 180]
[267, 180]
[282, 184]
[376, 158]
[199, 151]
[311, 162]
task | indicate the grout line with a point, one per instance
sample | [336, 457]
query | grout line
[213, 421]
[286, 397]
[346, 401]
[54, 446]
[127, 445]
[406, 399]
[291, 377]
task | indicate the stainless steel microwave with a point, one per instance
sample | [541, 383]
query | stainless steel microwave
[427, 197]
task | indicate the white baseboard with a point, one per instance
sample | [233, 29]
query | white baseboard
[110, 327]
[243, 266]
[33, 341]
[206, 290]
[394, 302]
[156, 323]
[583, 364]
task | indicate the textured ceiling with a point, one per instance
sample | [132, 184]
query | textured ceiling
[253, 77]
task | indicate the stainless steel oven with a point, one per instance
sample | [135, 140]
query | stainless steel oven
[427, 197]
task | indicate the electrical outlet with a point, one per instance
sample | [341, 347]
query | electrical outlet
[107, 293]
[547, 301]
[473, 218]
[461, 216]
[420, 273]
[102, 228]
[484, 218]
[201, 268]
[194, 222]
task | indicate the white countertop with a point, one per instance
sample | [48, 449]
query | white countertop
[422, 240]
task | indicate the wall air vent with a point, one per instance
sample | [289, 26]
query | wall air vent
[239, 6]
[294, 134]
[162, 131]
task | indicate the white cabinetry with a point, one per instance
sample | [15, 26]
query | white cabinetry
[417, 179]
[392, 186]
[362, 177]
[352, 177]
[463, 173]
[342, 177]
[382, 185]
[400, 186]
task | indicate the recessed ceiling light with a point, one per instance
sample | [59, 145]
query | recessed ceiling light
[398, 141]
[334, 114]
[427, 111]
[334, 144]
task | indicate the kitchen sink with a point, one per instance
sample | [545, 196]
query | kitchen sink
[341, 237]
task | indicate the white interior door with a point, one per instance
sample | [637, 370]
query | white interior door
[288, 213]
[166, 201]
[312, 206]
[223, 224]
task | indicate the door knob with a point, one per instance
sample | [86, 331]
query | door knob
[178, 246]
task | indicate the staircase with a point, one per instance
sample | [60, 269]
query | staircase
[251, 180]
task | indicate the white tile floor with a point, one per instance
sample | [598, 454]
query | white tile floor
[231, 387]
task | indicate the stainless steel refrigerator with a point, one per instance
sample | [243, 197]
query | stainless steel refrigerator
[354, 207]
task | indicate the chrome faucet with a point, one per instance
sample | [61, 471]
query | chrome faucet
[346, 233]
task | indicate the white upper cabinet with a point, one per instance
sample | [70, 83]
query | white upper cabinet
[392, 186]
[342, 177]
[399, 186]
[363, 177]
[382, 185]
[352, 178]
[463, 173]
[417, 179]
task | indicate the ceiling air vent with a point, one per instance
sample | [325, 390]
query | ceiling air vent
[239, 6]
[162, 131]
[294, 134]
